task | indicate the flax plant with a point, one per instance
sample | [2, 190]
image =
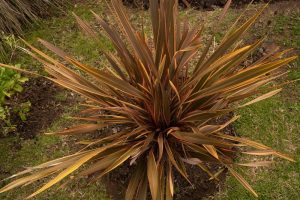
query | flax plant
[165, 97]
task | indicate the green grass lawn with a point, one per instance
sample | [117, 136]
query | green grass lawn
[63, 32]
[274, 122]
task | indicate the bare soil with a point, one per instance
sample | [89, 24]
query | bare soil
[197, 4]
[44, 107]
[116, 181]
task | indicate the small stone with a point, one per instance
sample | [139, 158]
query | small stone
[114, 130]
[261, 50]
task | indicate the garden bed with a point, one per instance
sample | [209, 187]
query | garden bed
[116, 182]
[198, 4]
[44, 108]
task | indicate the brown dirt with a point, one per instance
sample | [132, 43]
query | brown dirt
[116, 181]
[44, 107]
[202, 187]
[197, 4]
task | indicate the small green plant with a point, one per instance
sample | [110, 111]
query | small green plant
[165, 96]
[8, 46]
[11, 45]
[10, 82]
[22, 110]
[5, 123]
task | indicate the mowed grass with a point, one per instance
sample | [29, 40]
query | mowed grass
[64, 32]
[275, 122]
[16, 153]
[34, 152]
